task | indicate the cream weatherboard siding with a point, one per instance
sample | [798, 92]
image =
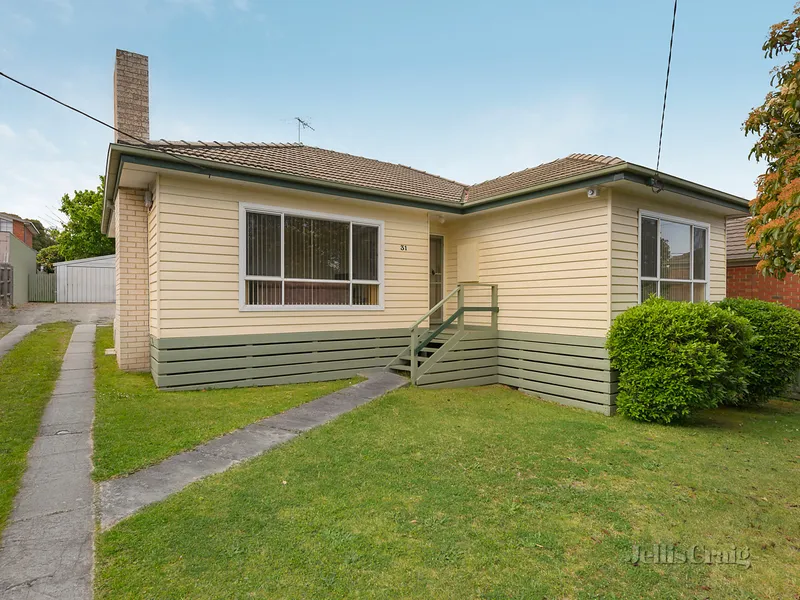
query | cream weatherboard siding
[197, 250]
[625, 209]
[564, 266]
[549, 258]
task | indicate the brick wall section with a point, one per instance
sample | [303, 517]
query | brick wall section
[21, 233]
[131, 96]
[745, 282]
[132, 335]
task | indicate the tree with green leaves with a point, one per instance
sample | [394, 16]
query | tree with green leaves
[81, 236]
[47, 256]
[774, 230]
[47, 236]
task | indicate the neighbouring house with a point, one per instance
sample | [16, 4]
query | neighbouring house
[20, 228]
[20, 256]
[254, 263]
[744, 281]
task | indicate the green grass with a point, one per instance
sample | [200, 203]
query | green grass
[137, 425]
[28, 374]
[5, 328]
[478, 493]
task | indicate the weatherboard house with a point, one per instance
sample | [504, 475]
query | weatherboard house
[242, 264]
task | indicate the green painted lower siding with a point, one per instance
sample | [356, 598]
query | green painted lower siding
[572, 370]
[470, 360]
[254, 360]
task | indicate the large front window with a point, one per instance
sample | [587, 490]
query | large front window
[673, 258]
[296, 259]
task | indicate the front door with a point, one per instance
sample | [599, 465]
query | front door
[436, 262]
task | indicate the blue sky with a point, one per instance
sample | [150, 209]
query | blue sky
[466, 90]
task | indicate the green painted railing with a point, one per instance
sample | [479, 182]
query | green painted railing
[449, 321]
[419, 341]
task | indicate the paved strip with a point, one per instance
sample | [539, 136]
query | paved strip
[120, 498]
[47, 545]
[9, 340]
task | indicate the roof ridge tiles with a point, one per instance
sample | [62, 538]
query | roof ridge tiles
[216, 144]
[599, 158]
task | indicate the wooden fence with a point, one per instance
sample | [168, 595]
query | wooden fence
[42, 287]
[6, 285]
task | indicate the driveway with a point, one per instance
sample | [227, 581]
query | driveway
[36, 313]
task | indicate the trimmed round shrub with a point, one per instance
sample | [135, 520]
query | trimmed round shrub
[775, 358]
[675, 358]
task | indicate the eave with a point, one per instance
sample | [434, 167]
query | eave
[119, 155]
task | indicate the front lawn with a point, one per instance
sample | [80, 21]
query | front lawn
[137, 425]
[479, 493]
[28, 374]
[5, 328]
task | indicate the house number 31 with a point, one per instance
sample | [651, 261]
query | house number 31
[403, 247]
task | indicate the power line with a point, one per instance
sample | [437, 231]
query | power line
[54, 215]
[657, 186]
[103, 123]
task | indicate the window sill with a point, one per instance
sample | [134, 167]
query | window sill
[306, 308]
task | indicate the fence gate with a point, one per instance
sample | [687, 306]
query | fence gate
[42, 287]
[6, 285]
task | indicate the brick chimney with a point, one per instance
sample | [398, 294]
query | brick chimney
[131, 96]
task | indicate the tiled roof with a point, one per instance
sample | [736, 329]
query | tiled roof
[563, 168]
[736, 248]
[337, 167]
[15, 217]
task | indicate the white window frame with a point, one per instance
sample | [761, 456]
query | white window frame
[245, 207]
[10, 225]
[666, 217]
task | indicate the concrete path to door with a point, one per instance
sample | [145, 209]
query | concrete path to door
[47, 545]
[13, 337]
[120, 498]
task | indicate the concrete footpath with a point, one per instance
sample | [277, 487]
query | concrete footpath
[47, 545]
[120, 498]
[13, 337]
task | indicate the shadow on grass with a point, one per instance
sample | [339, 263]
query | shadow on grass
[733, 417]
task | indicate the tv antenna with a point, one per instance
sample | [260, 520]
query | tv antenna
[301, 125]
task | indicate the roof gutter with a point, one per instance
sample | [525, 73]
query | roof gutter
[644, 176]
[113, 172]
[623, 172]
[119, 155]
[599, 177]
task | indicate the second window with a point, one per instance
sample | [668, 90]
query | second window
[673, 259]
